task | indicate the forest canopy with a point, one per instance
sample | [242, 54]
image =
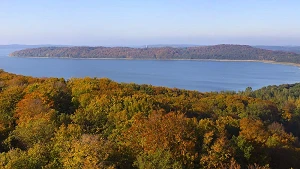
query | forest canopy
[228, 52]
[99, 123]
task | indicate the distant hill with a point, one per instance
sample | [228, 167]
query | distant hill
[230, 52]
[295, 49]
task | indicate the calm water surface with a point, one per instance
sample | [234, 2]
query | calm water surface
[192, 75]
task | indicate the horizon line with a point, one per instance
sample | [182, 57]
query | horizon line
[144, 45]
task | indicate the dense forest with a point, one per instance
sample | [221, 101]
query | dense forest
[99, 123]
[231, 52]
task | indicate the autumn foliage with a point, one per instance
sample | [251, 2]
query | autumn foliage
[98, 123]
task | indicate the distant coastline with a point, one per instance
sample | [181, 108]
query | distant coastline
[214, 60]
[222, 52]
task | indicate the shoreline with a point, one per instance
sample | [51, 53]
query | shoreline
[215, 60]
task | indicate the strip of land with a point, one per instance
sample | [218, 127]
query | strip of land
[216, 52]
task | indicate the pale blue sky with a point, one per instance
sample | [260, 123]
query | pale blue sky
[140, 22]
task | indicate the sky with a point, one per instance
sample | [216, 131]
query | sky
[145, 22]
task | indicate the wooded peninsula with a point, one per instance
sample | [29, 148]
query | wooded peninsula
[98, 123]
[219, 52]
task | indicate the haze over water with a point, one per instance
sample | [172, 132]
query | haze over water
[193, 75]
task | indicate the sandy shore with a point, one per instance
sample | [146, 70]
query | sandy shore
[215, 60]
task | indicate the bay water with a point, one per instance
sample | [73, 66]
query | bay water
[203, 76]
